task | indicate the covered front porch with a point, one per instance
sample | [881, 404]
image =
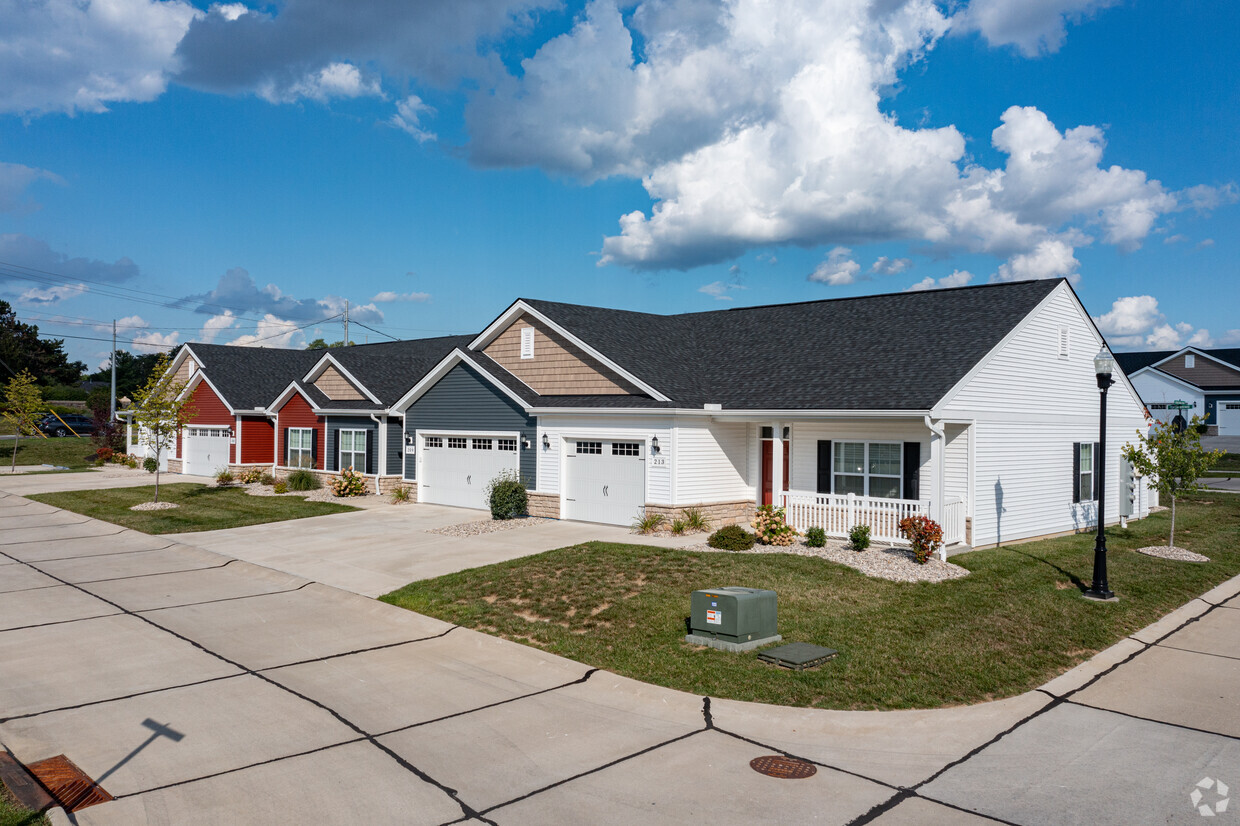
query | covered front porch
[839, 472]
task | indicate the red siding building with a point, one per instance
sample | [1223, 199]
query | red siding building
[297, 412]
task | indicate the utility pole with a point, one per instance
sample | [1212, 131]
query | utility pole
[113, 416]
[346, 322]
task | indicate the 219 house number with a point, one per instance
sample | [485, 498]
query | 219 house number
[658, 461]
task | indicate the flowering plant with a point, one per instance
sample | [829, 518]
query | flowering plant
[769, 524]
[924, 534]
[348, 483]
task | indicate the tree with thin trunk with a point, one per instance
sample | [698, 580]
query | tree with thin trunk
[161, 409]
[23, 405]
[1173, 460]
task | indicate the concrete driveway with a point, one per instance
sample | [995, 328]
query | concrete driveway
[203, 689]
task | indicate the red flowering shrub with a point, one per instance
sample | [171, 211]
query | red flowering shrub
[924, 534]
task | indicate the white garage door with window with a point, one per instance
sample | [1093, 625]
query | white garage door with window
[205, 449]
[605, 481]
[1229, 418]
[456, 468]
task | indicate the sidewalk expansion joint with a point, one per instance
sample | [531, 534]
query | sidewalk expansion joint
[326, 657]
[212, 601]
[109, 553]
[90, 703]
[1153, 720]
[62, 538]
[794, 756]
[143, 576]
[58, 622]
[1202, 653]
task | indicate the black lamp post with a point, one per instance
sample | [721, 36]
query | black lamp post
[1100, 589]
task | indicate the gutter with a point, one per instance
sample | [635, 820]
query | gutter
[378, 425]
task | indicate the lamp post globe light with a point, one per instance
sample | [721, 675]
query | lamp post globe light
[1104, 364]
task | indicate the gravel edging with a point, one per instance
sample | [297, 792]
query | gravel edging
[154, 506]
[323, 494]
[1174, 553]
[484, 526]
[891, 563]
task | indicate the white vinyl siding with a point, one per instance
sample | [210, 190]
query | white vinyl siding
[806, 435]
[956, 461]
[608, 429]
[712, 463]
[1029, 407]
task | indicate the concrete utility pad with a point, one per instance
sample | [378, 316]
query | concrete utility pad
[501, 753]
[355, 783]
[15, 576]
[224, 725]
[704, 778]
[1196, 690]
[124, 541]
[233, 580]
[297, 626]
[918, 812]
[138, 563]
[63, 603]
[394, 687]
[1218, 633]
[898, 747]
[1048, 770]
[108, 657]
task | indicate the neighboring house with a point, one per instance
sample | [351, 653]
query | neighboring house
[336, 414]
[1209, 380]
[976, 406]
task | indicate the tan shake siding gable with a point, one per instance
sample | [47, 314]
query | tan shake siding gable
[336, 386]
[186, 370]
[1205, 372]
[558, 368]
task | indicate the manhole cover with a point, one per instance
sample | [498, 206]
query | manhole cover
[785, 768]
[71, 787]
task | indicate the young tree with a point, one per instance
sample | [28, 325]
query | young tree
[161, 410]
[23, 407]
[1172, 461]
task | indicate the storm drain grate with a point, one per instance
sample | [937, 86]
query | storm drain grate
[785, 768]
[71, 787]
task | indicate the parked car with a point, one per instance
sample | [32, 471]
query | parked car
[67, 425]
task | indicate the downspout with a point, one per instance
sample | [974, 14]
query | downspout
[275, 439]
[936, 504]
[378, 447]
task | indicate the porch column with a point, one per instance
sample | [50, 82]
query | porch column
[938, 475]
[777, 464]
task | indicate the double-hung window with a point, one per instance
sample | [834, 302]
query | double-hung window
[1086, 453]
[353, 450]
[300, 447]
[868, 468]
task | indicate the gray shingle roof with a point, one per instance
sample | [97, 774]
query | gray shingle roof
[901, 351]
[251, 377]
[390, 368]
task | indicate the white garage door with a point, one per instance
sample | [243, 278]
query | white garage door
[456, 469]
[605, 481]
[1228, 418]
[205, 449]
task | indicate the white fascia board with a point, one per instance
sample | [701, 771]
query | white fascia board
[332, 411]
[520, 308]
[1165, 376]
[735, 415]
[328, 361]
[287, 394]
[199, 377]
[457, 356]
[184, 353]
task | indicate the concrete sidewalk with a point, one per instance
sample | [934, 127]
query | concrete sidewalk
[298, 702]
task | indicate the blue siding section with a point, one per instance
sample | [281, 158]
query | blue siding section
[463, 400]
[395, 447]
[338, 423]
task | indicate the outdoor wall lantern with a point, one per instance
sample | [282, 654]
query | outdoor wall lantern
[546, 442]
[408, 438]
[654, 444]
[1100, 589]
[525, 442]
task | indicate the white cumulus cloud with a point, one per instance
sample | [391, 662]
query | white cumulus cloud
[216, 325]
[838, 269]
[272, 331]
[1033, 26]
[408, 118]
[389, 296]
[1052, 258]
[958, 278]
[15, 178]
[1136, 322]
[890, 266]
[52, 295]
[335, 80]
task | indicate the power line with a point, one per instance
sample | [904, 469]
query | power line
[373, 330]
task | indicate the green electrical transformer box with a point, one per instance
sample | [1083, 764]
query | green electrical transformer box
[733, 614]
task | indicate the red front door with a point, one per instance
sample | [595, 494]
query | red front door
[767, 462]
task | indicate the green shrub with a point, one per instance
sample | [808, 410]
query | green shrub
[224, 477]
[859, 537]
[507, 496]
[280, 486]
[816, 537]
[695, 520]
[648, 523]
[731, 538]
[924, 535]
[679, 526]
[65, 393]
[401, 494]
[768, 523]
[131, 462]
[302, 479]
[266, 478]
[252, 475]
[150, 464]
[104, 454]
[348, 483]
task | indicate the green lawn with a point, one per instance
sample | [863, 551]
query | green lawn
[13, 813]
[1229, 462]
[202, 507]
[1014, 623]
[71, 451]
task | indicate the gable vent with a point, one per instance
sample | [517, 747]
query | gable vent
[1064, 341]
[1190, 360]
[527, 342]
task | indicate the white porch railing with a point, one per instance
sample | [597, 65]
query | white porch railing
[837, 514]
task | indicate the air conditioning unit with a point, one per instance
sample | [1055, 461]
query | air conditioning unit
[733, 618]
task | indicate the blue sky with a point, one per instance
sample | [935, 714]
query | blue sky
[236, 172]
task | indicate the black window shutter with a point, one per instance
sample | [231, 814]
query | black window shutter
[824, 465]
[1076, 471]
[314, 447]
[1097, 469]
[912, 470]
[285, 455]
[333, 456]
[371, 464]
